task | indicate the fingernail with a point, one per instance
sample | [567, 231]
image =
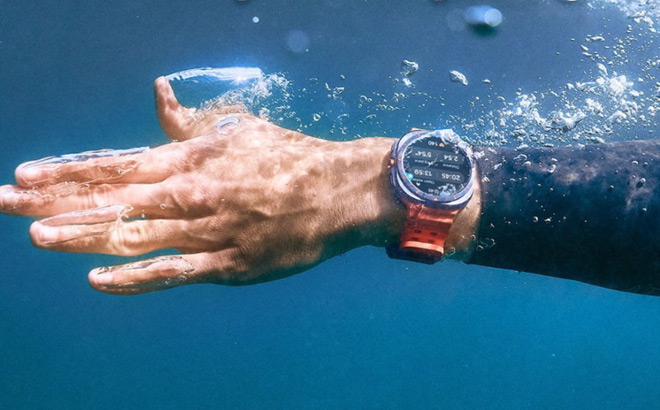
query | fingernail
[32, 172]
[9, 200]
[46, 235]
[102, 276]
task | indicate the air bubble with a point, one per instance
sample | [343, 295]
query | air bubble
[483, 17]
[408, 68]
[297, 41]
[458, 77]
[486, 243]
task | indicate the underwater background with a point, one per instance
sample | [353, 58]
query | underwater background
[359, 331]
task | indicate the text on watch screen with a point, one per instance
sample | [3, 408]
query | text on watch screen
[435, 168]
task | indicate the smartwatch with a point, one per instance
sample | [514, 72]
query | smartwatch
[431, 173]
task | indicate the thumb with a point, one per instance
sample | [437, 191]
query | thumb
[173, 117]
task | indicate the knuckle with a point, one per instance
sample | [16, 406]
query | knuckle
[242, 259]
[202, 199]
[245, 251]
[181, 197]
[186, 156]
[127, 239]
[227, 268]
[192, 199]
[99, 196]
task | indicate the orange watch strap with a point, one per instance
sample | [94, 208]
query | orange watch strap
[424, 234]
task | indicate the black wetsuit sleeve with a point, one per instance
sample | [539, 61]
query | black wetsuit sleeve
[588, 213]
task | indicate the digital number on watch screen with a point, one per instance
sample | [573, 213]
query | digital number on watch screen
[435, 168]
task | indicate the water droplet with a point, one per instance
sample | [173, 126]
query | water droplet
[641, 182]
[316, 117]
[552, 168]
[163, 206]
[535, 219]
[255, 19]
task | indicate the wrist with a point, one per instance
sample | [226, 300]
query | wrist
[364, 209]
[387, 215]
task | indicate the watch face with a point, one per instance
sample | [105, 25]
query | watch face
[436, 169]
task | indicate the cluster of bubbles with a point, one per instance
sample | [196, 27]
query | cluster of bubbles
[582, 112]
[614, 96]
[646, 12]
[616, 93]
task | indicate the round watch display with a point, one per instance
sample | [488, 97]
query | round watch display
[435, 166]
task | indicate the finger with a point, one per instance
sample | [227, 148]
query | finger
[148, 200]
[111, 236]
[135, 165]
[160, 273]
[174, 118]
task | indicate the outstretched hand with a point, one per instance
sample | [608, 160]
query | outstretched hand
[241, 199]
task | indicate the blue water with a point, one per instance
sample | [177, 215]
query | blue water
[360, 331]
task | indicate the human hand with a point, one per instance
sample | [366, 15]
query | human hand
[242, 199]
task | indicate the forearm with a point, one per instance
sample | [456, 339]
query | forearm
[591, 214]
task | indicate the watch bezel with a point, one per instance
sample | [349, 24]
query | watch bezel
[408, 192]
